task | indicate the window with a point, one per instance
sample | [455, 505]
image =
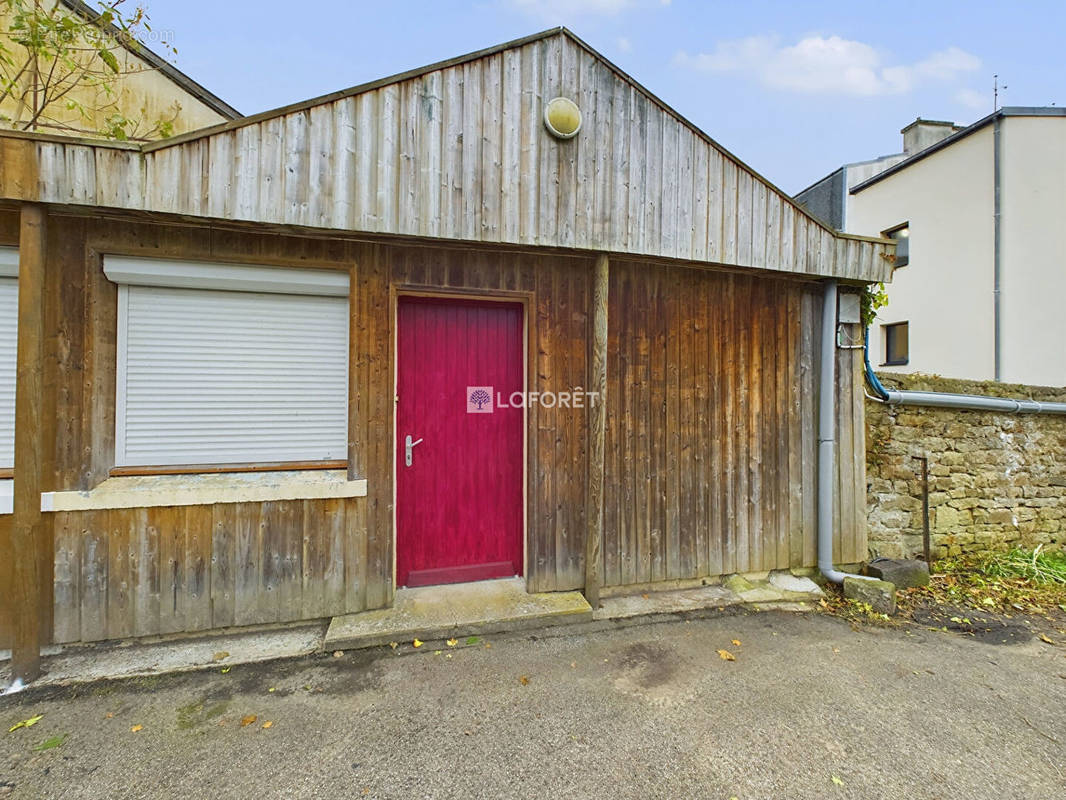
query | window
[9, 297]
[223, 364]
[897, 345]
[902, 236]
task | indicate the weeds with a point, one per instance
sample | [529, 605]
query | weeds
[1047, 567]
[1021, 580]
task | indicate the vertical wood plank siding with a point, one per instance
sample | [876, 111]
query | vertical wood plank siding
[711, 450]
[709, 455]
[461, 153]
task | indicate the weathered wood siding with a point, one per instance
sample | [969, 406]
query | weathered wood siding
[144, 571]
[710, 452]
[461, 152]
[711, 428]
[134, 572]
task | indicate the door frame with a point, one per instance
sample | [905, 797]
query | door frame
[397, 291]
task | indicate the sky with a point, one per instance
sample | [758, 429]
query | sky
[795, 89]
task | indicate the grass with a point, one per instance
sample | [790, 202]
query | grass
[1027, 581]
[1020, 580]
[1040, 567]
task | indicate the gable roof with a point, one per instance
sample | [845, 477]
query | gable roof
[176, 76]
[457, 150]
[1006, 111]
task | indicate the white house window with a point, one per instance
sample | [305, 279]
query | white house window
[9, 297]
[902, 236]
[233, 365]
[897, 344]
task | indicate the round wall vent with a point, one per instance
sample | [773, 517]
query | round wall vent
[562, 117]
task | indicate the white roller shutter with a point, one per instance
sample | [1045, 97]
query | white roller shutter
[230, 377]
[9, 296]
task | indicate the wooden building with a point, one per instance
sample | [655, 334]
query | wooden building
[226, 339]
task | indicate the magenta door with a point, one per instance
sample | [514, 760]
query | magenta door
[459, 482]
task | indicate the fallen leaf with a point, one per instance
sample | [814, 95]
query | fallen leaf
[837, 781]
[338, 653]
[524, 680]
[453, 642]
[221, 655]
[488, 646]
[436, 652]
[394, 645]
[51, 743]
[136, 729]
[1044, 638]
[417, 642]
[644, 596]
[26, 723]
[472, 639]
[268, 724]
[249, 720]
[272, 689]
[225, 670]
[109, 715]
[573, 665]
[725, 655]
[736, 643]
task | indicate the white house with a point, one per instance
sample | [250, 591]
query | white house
[977, 289]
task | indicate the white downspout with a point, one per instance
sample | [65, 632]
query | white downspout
[827, 438]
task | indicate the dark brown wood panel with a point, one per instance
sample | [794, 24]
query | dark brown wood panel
[711, 434]
[709, 458]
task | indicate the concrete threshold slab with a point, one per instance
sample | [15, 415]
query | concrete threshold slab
[460, 609]
[429, 613]
[83, 663]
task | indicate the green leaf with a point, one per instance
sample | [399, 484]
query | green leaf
[26, 723]
[472, 639]
[109, 58]
[49, 744]
[837, 781]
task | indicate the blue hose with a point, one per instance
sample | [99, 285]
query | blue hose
[871, 377]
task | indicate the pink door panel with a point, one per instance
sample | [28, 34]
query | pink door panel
[459, 493]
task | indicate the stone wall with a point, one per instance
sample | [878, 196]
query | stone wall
[995, 480]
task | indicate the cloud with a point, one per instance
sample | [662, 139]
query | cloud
[828, 65]
[972, 99]
[624, 45]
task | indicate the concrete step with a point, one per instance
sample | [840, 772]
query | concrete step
[462, 609]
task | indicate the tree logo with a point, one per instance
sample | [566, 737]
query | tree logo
[478, 399]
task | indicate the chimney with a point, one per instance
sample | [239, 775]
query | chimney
[923, 133]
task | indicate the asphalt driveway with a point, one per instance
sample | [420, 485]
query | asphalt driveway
[809, 708]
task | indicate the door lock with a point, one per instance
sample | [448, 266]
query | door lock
[409, 448]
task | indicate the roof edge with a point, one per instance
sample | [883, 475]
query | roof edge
[341, 94]
[197, 90]
[59, 138]
[821, 180]
[947, 141]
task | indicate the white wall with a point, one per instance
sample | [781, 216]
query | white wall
[945, 292]
[1033, 249]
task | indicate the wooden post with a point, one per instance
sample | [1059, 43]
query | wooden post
[597, 430]
[26, 530]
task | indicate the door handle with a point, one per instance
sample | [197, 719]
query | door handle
[409, 448]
